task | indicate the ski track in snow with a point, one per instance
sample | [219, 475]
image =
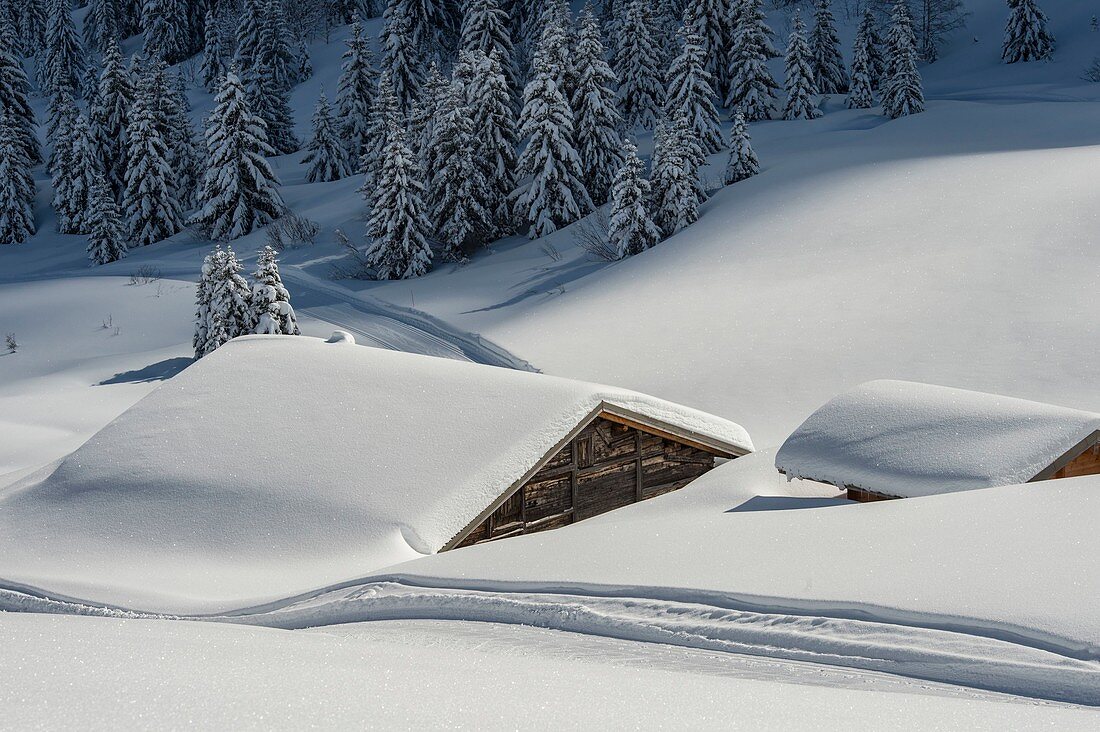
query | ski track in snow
[948, 654]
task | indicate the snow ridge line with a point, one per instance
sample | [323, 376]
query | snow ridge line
[917, 652]
[932, 654]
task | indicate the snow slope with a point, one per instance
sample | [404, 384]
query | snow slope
[279, 464]
[907, 439]
[106, 673]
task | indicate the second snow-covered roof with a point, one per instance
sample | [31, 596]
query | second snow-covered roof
[907, 439]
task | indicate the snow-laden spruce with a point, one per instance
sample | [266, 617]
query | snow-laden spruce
[14, 92]
[271, 311]
[868, 39]
[213, 54]
[457, 191]
[17, 187]
[752, 87]
[712, 21]
[101, 25]
[33, 19]
[110, 116]
[801, 89]
[638, 66]
[863, 74]
[223, 308]
[422, 117]
[596, 116]
[268, 100]
[485, 29]
[62, 65]
[249, 36]
[149, 200]
[631, 229]
[384, 113]
[830, 75]
[106, 237]
[398, 228]
[74, 178]
[164, 25]
[239, 190]
[402, 57]
[494, 124]
[555, 48]
[355, 93]
[275, 47]
[184, 149]
[691, 89]
[743, 162]
[903, 94]
[553, 193]
[677, 184]
[327, 159]
[1026, 34]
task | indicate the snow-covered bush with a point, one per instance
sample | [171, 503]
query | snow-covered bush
[292, 232]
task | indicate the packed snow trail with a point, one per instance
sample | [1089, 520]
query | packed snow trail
[930, 654]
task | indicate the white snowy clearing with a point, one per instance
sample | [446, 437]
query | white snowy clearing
[909, 439]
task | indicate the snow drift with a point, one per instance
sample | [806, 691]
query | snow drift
[280, 464]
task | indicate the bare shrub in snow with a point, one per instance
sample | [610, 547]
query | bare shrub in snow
[593, 236]
[292, 232]
[144, 275]
[12, 344]
[1092, 72]
[359, 269]
[547, 248]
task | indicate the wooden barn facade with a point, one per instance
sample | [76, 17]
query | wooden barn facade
[612, 459]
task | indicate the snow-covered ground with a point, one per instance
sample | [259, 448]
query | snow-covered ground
[955, 247]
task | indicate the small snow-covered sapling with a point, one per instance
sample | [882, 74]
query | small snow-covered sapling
[12, 344]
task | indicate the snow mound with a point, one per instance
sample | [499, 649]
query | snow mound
[907, 439]
[278, 464]
[341, 336]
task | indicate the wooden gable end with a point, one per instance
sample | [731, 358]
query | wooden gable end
[610, 463]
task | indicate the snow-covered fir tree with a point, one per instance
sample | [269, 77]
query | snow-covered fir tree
[690, 89]
[271, 312]
[485, 29]
[422, 116]
[384, 114]
[870, 43]
[101, 25]
[14, 100]
[250, 35]
[106, 238]
[185, 153]
[711, 19]
[74, 179]
[752, 87]
[631, 229]
[861, 88]
[555, 48]
[33, 19]
[830, 76]
[1026, 34]
[239, 191]
[269, 101]
[275, 54]
[164, 24]
[149, 201]
[63, 62]
[355, 93]
[676, 180]
[457, 191]
[596, 116]
[303, 63]
[213, 54]
[743, 162]
[801, 88]
[398, 229]
[110, 116]
[402, 59]
[903, 94]
[638, 66]
[223, 310]
[494, 143]
[327, 159]
[59, 125]
[17, 187]
[553, 193]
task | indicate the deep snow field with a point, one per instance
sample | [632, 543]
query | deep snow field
[957, 247]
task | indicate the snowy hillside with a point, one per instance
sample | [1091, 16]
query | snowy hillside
[266, 519]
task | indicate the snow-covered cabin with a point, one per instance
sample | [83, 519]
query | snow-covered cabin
[897, 439]
[369, 457]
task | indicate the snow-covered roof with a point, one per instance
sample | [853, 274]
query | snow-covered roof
[294, 455]
[906, 439]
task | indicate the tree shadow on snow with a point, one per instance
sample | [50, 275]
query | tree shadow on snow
[159, 371]
[784, 503]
